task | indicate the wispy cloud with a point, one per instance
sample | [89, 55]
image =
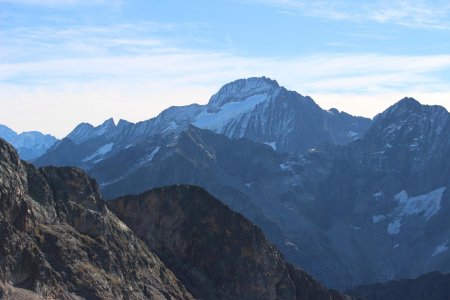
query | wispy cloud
[137, 87]
[412, 13]
[134, 71]
[83, 41]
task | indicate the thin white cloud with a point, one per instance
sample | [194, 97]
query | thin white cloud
[412, 13]
[139, 87]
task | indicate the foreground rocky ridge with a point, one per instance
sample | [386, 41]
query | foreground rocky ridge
[58, 239]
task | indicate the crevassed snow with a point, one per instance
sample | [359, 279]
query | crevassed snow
[440, 249]
[394, 227]
[272, 144]
[229, 111]
[376, 219]
[100, 152]
[426, 204]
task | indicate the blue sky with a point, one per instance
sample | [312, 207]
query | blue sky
[63, 62]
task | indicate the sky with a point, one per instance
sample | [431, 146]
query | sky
[63, 62]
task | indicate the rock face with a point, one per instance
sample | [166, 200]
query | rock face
[218, 253]
[30, 144]
[58, 239]
[431, 286]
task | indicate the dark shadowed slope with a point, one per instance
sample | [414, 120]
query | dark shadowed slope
[431, 286]
[218, 253]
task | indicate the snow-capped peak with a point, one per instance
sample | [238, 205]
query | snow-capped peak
[239, 90]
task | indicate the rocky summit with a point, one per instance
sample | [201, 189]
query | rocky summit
[60, 240]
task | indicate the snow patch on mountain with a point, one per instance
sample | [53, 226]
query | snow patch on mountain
[290, 244]
[150, 157]
[440, 249]
[272, 144]
[285, 167]
[426, 204]
[353, 135]
[376, 219]
[378, 195]
[100, 152]
[171, 127]
[394, 227]
[216, 121]
[239, 90]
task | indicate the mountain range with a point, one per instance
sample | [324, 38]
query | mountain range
[30, 144]
[60, 240]
[351, 200]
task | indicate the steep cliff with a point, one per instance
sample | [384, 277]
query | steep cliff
[59, 240]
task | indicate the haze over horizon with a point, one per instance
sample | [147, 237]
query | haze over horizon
[64, 62]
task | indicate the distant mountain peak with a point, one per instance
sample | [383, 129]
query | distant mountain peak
[333, 111]
[85, 131]
[106, 126]
[239, 90]
[407, 103]
[29, 144]
[109, 122]
[407, 107]
[123, 123]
